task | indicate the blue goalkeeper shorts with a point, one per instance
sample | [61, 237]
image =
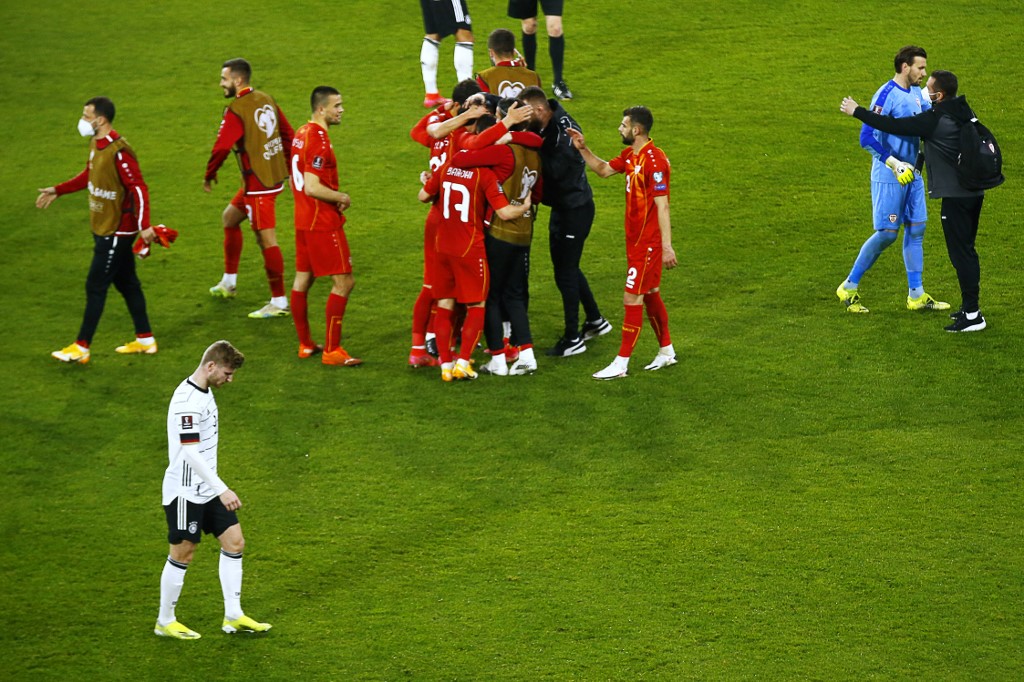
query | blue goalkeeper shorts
[894, 204]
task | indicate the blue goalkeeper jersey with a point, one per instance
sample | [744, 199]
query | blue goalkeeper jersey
[892, 100]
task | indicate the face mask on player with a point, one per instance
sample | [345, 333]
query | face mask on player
[85, 128]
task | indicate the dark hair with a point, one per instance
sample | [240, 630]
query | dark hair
[641, 116]
[906, 55]
[533, 93]
[502, 41]
[321, 94]
[103, 107]
[464, 90]
[223, 354]
[239, 67]
[484, 122]
[946, 82]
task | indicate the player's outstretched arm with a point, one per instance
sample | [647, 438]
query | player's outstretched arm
[598, 166]
[47, 195]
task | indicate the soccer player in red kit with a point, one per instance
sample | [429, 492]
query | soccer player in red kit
[255, 129]
[465, 197]
[444, 132]
[440, 152]
[648, 235]
[320, 245]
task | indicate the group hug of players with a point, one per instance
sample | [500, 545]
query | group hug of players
[486, 177]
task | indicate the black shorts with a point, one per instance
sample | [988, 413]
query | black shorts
[212, 518]
[527, 9]
[445, 17]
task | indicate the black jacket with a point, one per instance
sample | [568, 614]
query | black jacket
[565, 171]
[940, 128]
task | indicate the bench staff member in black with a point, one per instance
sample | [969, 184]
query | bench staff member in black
[568, 193]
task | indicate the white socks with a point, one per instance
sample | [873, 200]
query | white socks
[229, 280]
[463, 60]
[231, 584]
[171, 582]
[428, 64]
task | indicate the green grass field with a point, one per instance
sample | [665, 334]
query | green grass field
[806, 495]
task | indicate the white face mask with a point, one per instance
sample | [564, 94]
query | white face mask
[85, 128]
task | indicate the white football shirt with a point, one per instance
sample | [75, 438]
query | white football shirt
[192, 424]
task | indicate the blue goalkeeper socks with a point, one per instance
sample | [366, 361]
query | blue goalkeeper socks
[869, 253]
[913, 258]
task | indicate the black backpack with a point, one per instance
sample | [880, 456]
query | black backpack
[980, 164]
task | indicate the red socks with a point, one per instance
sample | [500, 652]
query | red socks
[300, 315]
[233, 241]
[471, 330]
[335, 312]
[631, 326]
[421, 316]
[273, 262]
[443, 329]
[658, 317]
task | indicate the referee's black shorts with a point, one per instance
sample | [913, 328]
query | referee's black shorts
[527, 9]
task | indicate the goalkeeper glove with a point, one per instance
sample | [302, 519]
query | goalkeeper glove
[904, 172]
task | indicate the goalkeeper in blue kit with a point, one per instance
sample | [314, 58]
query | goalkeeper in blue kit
[897, 190]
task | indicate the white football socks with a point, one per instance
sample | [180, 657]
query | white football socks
[171, 582]
[231, 584]
[428, 64]
[463, 60]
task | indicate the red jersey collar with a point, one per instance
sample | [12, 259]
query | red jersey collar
[243, 92]
[104, 142]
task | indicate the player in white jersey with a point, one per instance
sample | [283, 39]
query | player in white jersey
[196, 500]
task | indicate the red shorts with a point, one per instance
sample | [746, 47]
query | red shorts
[643, 269]
[429, 249]
[258, 208]
[322, 252]
[464, 278]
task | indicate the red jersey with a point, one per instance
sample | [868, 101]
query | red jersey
[312, 152]
[466, 198]
[647, 175]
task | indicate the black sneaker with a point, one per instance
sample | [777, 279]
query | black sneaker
[561, 90]
[962, 324]
[568, 346]
[432, 347]
[598, 327]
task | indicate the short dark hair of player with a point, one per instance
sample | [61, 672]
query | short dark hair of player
[484, 122]
[464, 90]
[239, 67]
[533, 95]
[947, 82]
[640, 116]
[906, 55]
[321, 94]
[502, 41]
[103, 107]
[223, 354]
